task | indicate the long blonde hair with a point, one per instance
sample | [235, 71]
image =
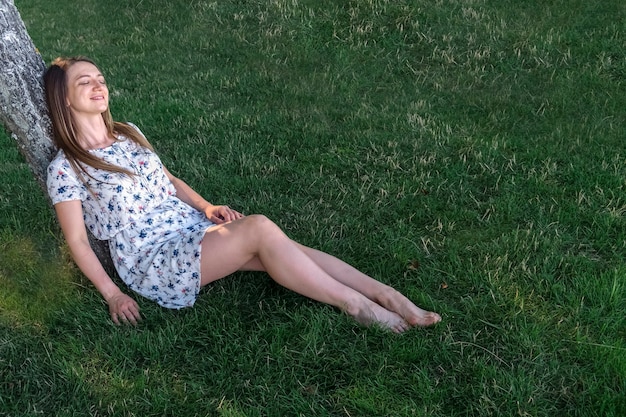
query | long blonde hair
[64, 129]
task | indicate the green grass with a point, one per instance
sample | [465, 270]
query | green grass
[470, 153]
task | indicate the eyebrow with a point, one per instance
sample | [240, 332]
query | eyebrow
[87, 76]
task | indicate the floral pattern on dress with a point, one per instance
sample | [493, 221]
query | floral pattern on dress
[154, 237]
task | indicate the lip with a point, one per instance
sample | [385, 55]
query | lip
[97, 98]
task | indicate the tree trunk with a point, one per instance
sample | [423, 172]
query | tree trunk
[23, 107]
[22, 104]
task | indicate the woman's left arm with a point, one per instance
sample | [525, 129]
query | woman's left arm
[216, 214]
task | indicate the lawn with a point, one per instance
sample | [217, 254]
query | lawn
[470, 153]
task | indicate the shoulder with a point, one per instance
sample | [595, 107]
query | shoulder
[62, 182]
[131, 128]
[128, 130]
[60, 171]
[59, 161]
[134, 126]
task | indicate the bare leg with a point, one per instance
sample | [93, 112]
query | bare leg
[382, 294]
[375, 290]
[254, 242]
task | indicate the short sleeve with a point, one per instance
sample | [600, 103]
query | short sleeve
[134, 126]
[62, 182]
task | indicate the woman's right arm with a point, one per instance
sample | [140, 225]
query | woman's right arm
[121, 307]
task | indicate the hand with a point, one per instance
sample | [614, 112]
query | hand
[123, 309]
[222, 214]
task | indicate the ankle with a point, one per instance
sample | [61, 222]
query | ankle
[353, 307]
[385, 296]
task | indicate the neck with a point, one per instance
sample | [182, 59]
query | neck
[92, 132]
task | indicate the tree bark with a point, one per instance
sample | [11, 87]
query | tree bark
[23, 107]
[22, 104]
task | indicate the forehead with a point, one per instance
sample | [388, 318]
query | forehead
[82, 68]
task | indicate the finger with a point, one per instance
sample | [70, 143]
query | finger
[129, 318]
[234, 215]
[134, 316]
[130, 313]
[115, 319]
[226, 214]
[136, 319]
[216, 220]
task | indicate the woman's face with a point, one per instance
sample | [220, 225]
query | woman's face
[87, 93]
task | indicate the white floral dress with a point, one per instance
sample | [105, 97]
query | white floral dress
[154, 237]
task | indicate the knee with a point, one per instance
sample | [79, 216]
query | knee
[262, 224]
[265, 229]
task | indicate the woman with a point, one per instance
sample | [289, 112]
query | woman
[166, 241]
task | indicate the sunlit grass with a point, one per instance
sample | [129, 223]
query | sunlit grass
[469, 153]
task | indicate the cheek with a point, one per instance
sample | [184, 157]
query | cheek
[70, 97]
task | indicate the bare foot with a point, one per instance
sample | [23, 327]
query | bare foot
[374, 314]
[394, 301]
